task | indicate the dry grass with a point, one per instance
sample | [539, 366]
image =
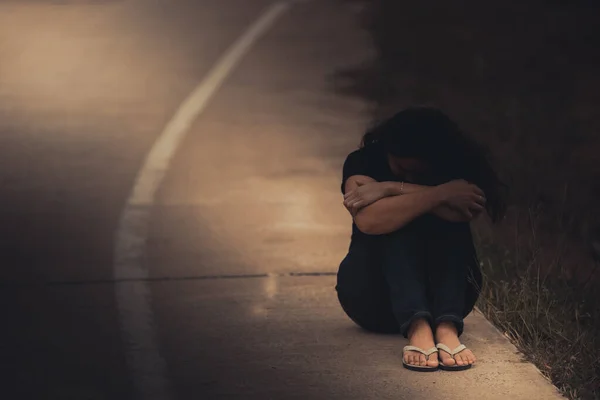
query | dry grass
[552, 318]
[521, 76]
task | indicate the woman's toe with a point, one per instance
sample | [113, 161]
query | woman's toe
[422, 360]
[460, 359]
[470, 358]
[448, 360]
[432, 362]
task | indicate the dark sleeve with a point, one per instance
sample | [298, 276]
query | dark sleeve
[354, 165]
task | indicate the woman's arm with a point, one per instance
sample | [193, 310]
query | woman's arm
[398, 211]
[442, 211]
[387, 214]
[355, 201]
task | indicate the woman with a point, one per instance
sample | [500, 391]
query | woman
[412, 188]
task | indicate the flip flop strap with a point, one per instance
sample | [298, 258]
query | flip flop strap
[451, 352]
[419, 350]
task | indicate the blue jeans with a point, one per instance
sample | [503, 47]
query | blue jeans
[427, 269]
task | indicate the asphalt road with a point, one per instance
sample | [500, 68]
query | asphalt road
[86, 88]
[243, 234]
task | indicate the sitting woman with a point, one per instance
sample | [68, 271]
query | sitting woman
[412, 189]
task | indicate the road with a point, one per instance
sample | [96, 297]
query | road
[228, 292]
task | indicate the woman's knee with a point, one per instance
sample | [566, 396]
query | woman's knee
[403, 240]
[408, 231]
[426, 226]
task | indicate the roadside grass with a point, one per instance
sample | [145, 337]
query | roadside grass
[553, 321]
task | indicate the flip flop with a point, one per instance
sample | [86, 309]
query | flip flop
[452, 353]
[419, 367]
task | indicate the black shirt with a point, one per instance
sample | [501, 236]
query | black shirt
[372, 161]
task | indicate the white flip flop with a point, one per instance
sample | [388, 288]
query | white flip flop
[419, 368]
[452, 353]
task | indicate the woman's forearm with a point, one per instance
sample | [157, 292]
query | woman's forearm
[442, 211]
[392, 213]
[398, 188]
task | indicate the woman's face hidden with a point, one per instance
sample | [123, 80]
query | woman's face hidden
[403, 165]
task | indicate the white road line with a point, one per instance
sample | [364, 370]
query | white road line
[146, 364]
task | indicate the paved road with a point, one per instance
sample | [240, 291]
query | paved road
[244, 229]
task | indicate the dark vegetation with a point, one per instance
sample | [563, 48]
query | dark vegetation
[523, 77]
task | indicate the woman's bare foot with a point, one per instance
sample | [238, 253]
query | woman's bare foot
[446, 333]
[420, 335]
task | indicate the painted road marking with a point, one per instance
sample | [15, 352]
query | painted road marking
[146, 365]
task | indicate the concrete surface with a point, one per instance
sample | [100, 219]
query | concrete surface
[248, 227]
[286, 338]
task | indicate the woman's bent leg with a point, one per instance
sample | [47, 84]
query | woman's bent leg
[451, 258]
[363, 292]
[389, 293]
[404, 271]
[387, 280]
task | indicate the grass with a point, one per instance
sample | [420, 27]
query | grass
[521, 77]
[553, 320]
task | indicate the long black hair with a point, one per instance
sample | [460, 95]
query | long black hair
[428, 134]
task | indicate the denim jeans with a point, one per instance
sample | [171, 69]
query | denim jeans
[427, 269]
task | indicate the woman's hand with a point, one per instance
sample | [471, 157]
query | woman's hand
[463, 197]
[365, 194]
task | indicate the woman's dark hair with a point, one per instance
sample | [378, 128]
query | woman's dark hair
[430, 135]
